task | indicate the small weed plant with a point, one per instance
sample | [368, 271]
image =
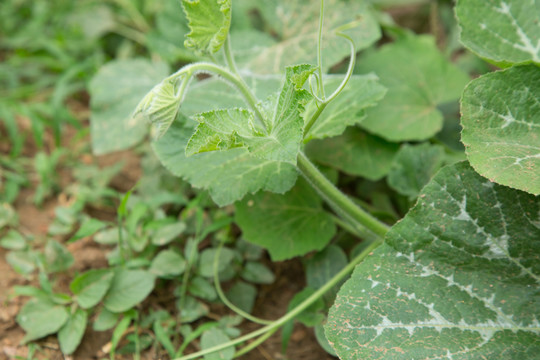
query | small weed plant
[449, 264]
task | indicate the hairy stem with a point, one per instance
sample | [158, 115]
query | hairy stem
[294, 312]
[319, 52]
[234, 79]
[344, 206]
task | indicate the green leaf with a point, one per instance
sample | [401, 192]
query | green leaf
[40, 318]
[160, 106]
[89, 227]
[228, 175]
[504, 31]
[206, 261]
[70, 335]
[13, 240]
[209, 21]
[128, 288]
[286, 225]
[419, 81]
[361, 92]
[457, 278]
[202, 288]
[167, 233]
[168, 263]
[90, 287]
[243, 295]
[105, 320]
[57, 257]
[501, 126]
[22, 262]
[355, 152]
[214, 337]
[413, 167]
[296, 24]
[322, 267]
[191, 309]
[257, 273]
[115, 91]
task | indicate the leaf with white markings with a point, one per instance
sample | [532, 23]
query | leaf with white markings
[418, 78]
[504, 31]
[209, 21]
[457, 278]
[501, 126]
[228, 175]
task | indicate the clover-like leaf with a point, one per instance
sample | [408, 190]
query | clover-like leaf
[457, 278]
[209, 21]
[418, 78]
[504, 31]
[228, 175]
[501, 126]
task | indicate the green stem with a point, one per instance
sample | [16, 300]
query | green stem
[236, 80]
[252, 345]
[294, 312]
[314, 118]
[224, 298]
[229, 58]
[343, 205]
[319, 52]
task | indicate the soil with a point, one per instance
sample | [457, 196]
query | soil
[271, 303]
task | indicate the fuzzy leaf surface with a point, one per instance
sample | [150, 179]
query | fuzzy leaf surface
[501, 126]
[422, 79]
[457, 278]
[286, 225]
[115, 91]
[355, 152]
[504, 31]
[361, 92]
[209, 22]
[228, 175]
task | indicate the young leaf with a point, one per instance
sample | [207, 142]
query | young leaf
[209, 21]
[229, 175]
[57, 257]
[322, 267]
[286, 225]
[40, 318]
[160, 106]
[361, 92]
[90, 287]
[501, 126]
[413, 167]
[128, 288]
[115, 91]
[457, 278]
[106, 320]
[504, 31]
[243, 295]
[89, 227]
[214, 337]
[257, 273]
[418, 78]
[206, 261]
[355, 152]
[70, 335]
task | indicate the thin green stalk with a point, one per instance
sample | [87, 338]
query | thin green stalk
[294, 312]
[343, 205]
[229, 58]
[252, 345]
[314, 118]
[319, 52]
[236, 80]
[226, 301]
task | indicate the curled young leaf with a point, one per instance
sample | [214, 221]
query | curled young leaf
[209, 21]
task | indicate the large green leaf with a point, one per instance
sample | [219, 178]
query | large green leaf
[40, 318]
[418, 78]
[115, 91]
[501, 126]
[361, 92]
[90, 287]
[457, 278]
[504, 31]
[128, 288]
[228, 175]
[286, 225]
[356, 153]
[209, 21]
[296, 24]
